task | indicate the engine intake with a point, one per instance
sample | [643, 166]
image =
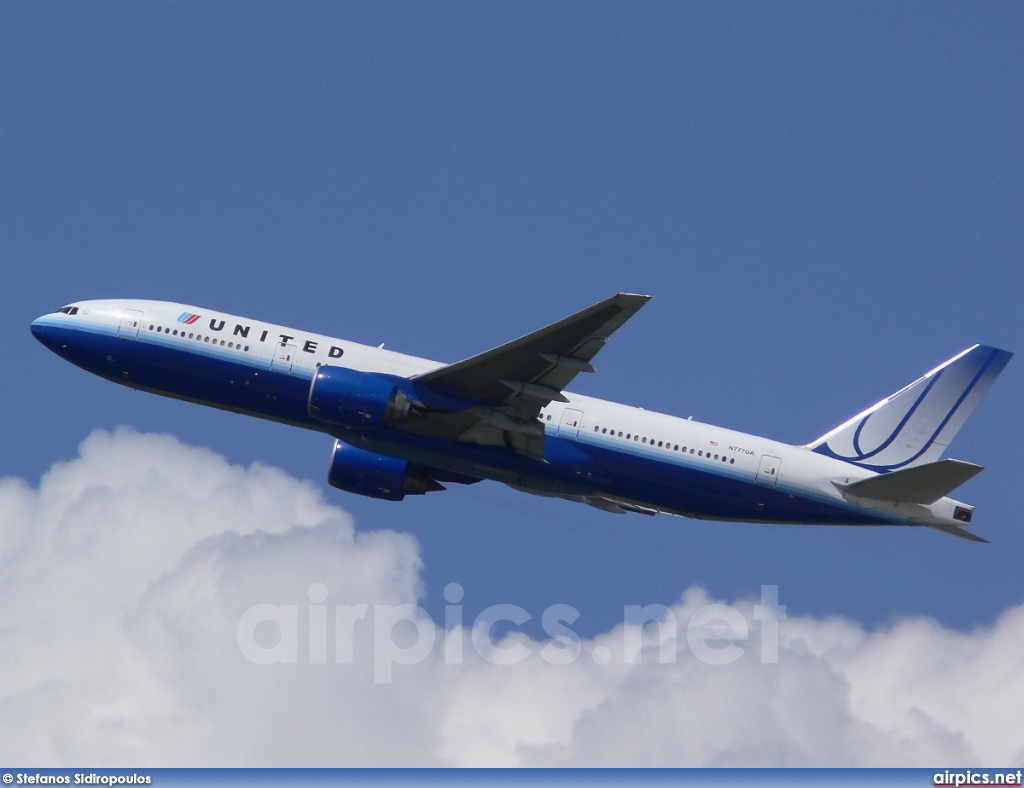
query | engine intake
[347, 397]
[374, 475]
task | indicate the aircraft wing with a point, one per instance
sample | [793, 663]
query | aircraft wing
[538, 366]
[519, 378]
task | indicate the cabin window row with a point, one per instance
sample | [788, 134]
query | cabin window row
[666, 445]
[200, 338]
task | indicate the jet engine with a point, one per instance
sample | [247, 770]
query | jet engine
[354, 399]
[376, 475]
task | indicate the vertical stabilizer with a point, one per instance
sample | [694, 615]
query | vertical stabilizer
[915, 425]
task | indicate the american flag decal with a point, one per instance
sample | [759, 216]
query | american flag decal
[714, 443]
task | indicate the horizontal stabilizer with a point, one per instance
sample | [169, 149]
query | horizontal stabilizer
[922, 484]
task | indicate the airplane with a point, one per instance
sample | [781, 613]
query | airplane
[406, 426]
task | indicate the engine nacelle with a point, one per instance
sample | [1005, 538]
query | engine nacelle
[376, 475]
[354, 399]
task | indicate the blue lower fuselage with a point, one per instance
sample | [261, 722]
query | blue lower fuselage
[571, 467]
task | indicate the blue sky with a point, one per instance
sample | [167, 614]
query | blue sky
[824, 200]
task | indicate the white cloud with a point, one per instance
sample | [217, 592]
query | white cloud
[126, 572]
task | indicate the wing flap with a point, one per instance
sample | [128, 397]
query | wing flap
[923, 484]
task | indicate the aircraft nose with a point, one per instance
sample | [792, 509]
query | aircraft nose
[44, 333]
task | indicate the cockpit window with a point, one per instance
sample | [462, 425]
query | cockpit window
[69, 310]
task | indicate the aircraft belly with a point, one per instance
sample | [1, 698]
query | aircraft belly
[684, 489]
[239, 386]
[571, 468]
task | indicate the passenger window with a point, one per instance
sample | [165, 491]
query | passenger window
[645, 440]
[700, 454]
[732, 461]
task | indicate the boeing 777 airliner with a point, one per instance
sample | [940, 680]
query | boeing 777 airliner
[403, 425]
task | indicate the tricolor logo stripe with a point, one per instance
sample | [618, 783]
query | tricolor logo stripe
[187, 318]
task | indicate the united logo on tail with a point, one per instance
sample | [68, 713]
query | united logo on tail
[915, 425]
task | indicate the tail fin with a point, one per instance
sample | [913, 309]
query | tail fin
[915, 425]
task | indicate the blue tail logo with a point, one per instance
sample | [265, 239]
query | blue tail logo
[916, 424]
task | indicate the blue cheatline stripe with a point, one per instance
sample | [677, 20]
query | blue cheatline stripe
[84, 325]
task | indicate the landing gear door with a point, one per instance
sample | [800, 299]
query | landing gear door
[768, 470]
[131, 321]
[569, 426]
[284, 355]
